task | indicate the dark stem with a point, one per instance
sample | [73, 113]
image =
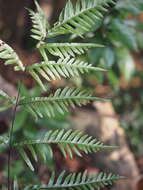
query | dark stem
[10, 136]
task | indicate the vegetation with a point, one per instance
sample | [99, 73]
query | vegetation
[82, 29]
[76, 19]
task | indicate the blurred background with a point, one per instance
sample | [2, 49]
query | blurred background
[118, 123]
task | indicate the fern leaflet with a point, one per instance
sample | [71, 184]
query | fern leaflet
[5, 101]
[51, 70]
[4, 140]
[68, 141]
[40, 23]
[6, 52]
[78, 181]
[81, 18]
[57, 103]
[64, 50]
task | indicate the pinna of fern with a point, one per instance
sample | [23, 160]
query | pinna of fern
[5, 101]
[52, 70]
[57, 103]
[78, 181]
[70, 142]
[40, 23]
[75, 19]
[8, 54]
[80, 18]
[64, 50]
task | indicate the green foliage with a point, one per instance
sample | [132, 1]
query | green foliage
[64, 50]
[78, 181]
[15, 185]
[69, 142]
[125, 62]
[57, 102]
[120, 30]
[6, 52]
[40, 23]
[3, 140]
[79, 19]
[5, 101]
[52, 70]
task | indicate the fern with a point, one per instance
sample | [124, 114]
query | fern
[57, 103]
[4, 140]
[68, 141]
[78, 19]
[78, 181]
[81, 18]
[5, 101]
[15, 185]
[40, 24]
[6, 52]
[51, 70]
[4, 95]
[64, 50]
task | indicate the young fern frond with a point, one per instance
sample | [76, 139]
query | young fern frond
[40, 23]
[57, 103]
[64, 50]
[69, 142]
[8, 54]
[5, 101]
[78, 181]
[51, 70]
[81, 18]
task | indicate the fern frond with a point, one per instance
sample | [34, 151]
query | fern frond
[4, 140]
[68, 141]
[4, 95]
[51, 70]
[5, 101]
[57, 103]
[64, 50]
[6, 52]
[81, 18]
[15, 184]
[40, 23]
[78, 181]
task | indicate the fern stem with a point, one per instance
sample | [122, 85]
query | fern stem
[11, 135]
[58, 99]
[34, 142]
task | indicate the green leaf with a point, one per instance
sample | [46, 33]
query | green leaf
[15, 185]
[79, 181]
[64, 50]
[126, 6]
[81, 18]
[125, 62]
[4, 140]
[26, 158]
[109, 56]
[5, 101]
[123, 33]
[69, 142]
[68, 67]
[6, 52]
[40, 23]
[58, 103]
